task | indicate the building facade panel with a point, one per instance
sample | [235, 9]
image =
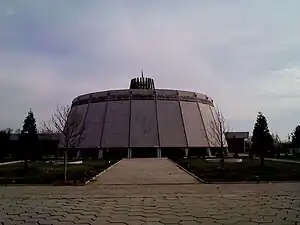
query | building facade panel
[84, 97]
[201, 96]
[194, 127]
[170, 124]
[211, 127]
[91, 134]
[116, 125]
[187, 93]
[166, 92]
[99, 94]
[119, 92]
[142, 92]
[143, 127]
[118, 95]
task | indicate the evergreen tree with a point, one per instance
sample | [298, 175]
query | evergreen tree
[261, 138]
[4, 142]
[296, 139]
[29, 139]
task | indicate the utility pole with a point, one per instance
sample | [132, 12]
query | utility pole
[221, 135]
[221, 139]
[65, 165]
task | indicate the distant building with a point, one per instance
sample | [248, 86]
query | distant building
[236, 141]
[47, 144]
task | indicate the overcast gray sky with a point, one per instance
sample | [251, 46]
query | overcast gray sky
[244, 54]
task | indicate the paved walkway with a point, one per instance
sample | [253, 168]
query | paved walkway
[146, 171]
[151, 204]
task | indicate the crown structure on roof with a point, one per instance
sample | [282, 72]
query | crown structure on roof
[142, 82]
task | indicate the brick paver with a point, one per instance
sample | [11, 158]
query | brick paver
[146, 171]
[152, 204]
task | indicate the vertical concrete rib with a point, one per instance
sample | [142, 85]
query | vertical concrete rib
[103, 121]
[83, 124]
[129, 125]
[205, 131]
[157, 122]
[180, 109]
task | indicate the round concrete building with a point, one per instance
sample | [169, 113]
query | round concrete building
[144, 122]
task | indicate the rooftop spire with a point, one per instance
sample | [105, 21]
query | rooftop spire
[142, 82]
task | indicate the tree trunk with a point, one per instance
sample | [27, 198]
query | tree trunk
[262, 161]
[57, 154]
[25, 165]
[278, 152]
[250, 153]
[65, 165]
[222, 161]
[236, 154]
[262, 158]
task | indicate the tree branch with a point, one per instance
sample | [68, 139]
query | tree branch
[67, 123]
[217, 130]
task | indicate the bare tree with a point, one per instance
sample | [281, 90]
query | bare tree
[277, 145]
[67, 124]
[18, 131]
[217, 133]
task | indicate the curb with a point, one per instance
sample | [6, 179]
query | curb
[283, 160]
[149, 184]
[12, 162]
[188, 172]
[99, 174]
[254, 182]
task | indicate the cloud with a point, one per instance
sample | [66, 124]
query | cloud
[244, 55]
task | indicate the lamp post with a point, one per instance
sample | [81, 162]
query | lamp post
[221, 138]
[77, 153]
[235, 150]
[65, 164]
[222, 144]
[100, 152]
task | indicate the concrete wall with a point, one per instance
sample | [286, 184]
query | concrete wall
[171, 128]
[194, 127]
[116, 126]
[209, 124]
[143, 128]
[93, 125]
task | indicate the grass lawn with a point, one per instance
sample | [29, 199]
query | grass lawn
[246, 171]
[45, 173]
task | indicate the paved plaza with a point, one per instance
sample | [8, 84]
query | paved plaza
[146, 171]
[123, 195]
